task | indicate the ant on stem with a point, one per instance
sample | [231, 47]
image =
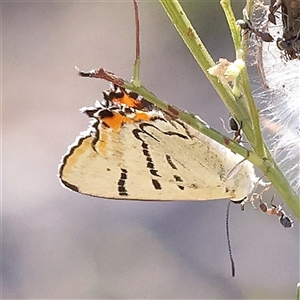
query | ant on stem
[247, 26]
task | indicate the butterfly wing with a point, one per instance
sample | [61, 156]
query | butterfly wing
[137, 155]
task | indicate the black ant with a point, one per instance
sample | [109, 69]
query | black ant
[277, 210]
[234, 126]
[247, 26]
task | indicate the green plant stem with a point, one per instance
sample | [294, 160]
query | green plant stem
[254, 136]
[234, 29]
[251, 126]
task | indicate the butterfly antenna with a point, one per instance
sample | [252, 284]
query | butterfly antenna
[228, 241]
[136, 68]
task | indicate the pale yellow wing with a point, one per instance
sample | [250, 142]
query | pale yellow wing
[154, 160]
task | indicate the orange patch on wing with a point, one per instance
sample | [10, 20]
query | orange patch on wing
[142, 117]
[129, 101]
[116, 121]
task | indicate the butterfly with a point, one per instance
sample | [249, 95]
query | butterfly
[132, 150]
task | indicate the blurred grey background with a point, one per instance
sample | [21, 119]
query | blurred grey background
[59, 244]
